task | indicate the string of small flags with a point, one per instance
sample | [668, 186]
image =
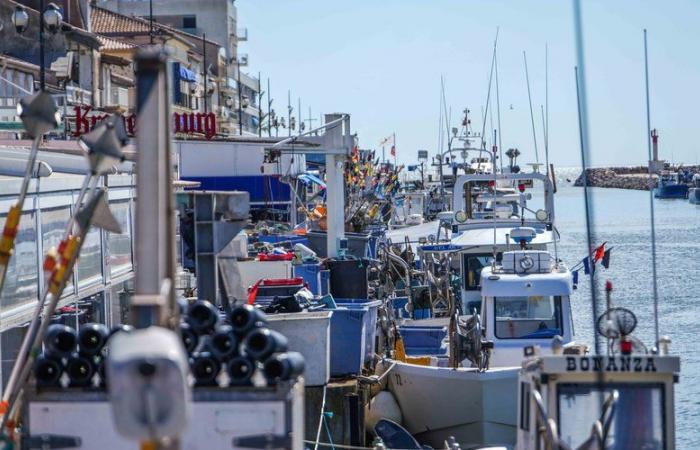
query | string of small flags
[588, 264]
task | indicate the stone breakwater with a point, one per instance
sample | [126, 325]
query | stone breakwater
[636, 178]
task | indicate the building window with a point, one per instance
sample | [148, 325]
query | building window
[120, 244]
[22, 279]
[53, 224]
[189, 22]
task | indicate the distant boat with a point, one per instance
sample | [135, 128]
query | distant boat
[694, 192]
[670, 186]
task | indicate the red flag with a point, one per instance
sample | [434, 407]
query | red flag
[599, 253]
[393, 150]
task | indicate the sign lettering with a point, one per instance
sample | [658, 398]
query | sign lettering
[187, 123]
[613, 364]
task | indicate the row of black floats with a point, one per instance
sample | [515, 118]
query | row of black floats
[74, 359]
[224, 351]
[229, 350]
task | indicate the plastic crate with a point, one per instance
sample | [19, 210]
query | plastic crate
[399, 304]
[311, 273]
[353, 333]
[358, 243]
[423, 340]
[277, 238]
[309, 334]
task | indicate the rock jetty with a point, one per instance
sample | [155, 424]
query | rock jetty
[636, 178]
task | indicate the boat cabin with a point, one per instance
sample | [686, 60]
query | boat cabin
[582, 401]
[525, 301]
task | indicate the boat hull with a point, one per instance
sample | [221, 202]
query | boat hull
[671, 191]
[477, 408]
[694, 196]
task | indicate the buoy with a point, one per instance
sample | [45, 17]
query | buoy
[382, 406]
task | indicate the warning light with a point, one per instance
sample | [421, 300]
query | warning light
[625, 346]
[608, 286]
[521, 187]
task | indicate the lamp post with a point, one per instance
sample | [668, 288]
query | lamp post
[50, 19]
[238, 86]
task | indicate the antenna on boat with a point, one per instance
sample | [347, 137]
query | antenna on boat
[498, 108]
[488, 93]
[581, 101]
[545, 119]
[493, 206]
[532, 116]
[651, 199]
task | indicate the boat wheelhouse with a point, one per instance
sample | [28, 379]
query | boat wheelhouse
[694, 191]
[582, 401]
[670, 185]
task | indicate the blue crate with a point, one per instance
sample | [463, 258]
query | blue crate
[325, 282]
[311, 275]
[353, 333]
[399, 304]
[276, 238]
[420, 337]
[419, 314]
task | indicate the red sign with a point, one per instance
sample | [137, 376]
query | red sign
[188, 123]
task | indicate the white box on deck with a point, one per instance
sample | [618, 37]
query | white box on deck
[308, 333]
[228, 159]
[218, 417]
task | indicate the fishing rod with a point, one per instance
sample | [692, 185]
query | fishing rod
[104, 150]
[651, 198]
[39, 115]
[582, 102]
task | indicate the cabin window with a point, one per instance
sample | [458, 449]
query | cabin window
[580, 404]
[528, 317]
[525, 406]
[473, 264]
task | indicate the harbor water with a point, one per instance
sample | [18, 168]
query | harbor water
[622, 219]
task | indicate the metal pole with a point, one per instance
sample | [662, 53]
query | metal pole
[589, 210]
[238, 86]
[260, 110]
[42, 67]
[651, 198]
[150, 20]
[532, 116]
[204, 64]
[269, 109]
[289, 112]
[155, 232]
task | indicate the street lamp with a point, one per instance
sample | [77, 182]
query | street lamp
[49, 18]
[52, 18]
[20, 19]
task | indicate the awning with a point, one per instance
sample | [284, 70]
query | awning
[187, 75]
[308, 179]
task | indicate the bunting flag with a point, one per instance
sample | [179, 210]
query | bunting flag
[587, 266]
[393, 150]
[606, 258]
[575, 277]
[599, 252]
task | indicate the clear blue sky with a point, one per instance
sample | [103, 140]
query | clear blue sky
[381, 61]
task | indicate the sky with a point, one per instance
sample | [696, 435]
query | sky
[381, 61]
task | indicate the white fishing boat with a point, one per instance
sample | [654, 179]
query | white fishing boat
[472, 395]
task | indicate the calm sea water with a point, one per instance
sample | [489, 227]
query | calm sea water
[622, 219]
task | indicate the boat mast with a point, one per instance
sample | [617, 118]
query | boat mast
[532, 116]
[651, 198]
[498, 111]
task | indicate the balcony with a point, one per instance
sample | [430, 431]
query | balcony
[242, 34]
[78, 96]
